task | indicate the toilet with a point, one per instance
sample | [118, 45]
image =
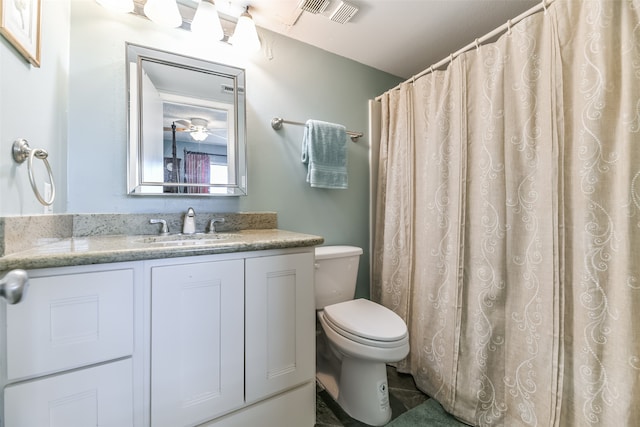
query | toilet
[356, 339]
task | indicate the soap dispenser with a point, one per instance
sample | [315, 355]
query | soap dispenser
[189, 226]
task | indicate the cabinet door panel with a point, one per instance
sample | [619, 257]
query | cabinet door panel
[98, 396]
[197, 329]
[70, 320]
[280, 323]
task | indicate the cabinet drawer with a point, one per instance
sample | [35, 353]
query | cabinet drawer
[70, 320]
[98, 396]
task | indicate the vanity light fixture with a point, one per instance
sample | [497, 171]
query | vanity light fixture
[163, 12]
[206, 21]
[245, 36]
[120, 6]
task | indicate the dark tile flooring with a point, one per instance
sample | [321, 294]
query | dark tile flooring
[403, 395]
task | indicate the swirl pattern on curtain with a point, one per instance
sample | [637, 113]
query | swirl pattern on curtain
[507, 221]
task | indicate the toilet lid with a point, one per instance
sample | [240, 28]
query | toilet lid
[367, 319]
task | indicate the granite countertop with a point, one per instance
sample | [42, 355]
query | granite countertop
[119, 248]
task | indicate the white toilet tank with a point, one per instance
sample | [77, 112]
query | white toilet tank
[336, 273]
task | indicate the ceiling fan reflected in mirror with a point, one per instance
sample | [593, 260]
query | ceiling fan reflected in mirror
[198, 128]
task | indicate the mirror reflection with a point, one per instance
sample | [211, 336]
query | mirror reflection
[186, 125]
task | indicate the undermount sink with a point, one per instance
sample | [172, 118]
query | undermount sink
[186, 239]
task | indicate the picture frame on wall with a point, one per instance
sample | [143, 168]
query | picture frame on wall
[20, 25]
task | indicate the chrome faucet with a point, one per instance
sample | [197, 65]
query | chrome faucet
[189, 226]
[164, 228]
[212, 224]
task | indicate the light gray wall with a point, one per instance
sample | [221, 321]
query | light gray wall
[287, 78]
[33, 105]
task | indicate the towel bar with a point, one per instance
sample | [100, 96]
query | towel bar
[277, 122]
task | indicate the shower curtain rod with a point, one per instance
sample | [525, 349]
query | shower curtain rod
[476, 43]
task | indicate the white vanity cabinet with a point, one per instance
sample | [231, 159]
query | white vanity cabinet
[280, 309]
[233, 340]
[212, 340]
[197, 341]
[69, 348]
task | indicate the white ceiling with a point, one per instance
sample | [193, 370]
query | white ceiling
[401, 37]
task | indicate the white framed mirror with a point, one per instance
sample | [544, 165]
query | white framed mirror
[186, 125]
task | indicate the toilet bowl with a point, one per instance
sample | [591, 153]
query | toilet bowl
[357, 338]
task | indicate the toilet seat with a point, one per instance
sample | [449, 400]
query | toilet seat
[361, 348]
[367, 323]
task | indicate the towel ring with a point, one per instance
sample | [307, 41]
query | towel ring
[22, 152]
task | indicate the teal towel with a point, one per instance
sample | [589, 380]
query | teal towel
[324, 151]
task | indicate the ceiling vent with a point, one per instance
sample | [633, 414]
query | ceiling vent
[344, 13]
[230, 89]
[314, 6]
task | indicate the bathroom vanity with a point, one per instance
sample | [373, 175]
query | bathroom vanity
[162, 333]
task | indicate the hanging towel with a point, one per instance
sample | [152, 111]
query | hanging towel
[324, 151]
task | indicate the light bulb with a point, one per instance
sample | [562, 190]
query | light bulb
[163, 12]
[206, 22]
[199, 135]
[245, 36]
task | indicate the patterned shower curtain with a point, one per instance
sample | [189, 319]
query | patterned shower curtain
[508, 222]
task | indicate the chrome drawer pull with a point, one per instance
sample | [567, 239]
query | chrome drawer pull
[14, 285]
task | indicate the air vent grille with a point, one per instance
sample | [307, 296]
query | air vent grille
[314, 6]
[229, 89]
[343, 13]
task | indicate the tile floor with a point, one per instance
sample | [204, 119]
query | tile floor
[403, 395]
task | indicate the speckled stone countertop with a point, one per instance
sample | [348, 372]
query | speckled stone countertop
[63, 247]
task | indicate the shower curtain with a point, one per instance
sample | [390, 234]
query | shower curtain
[508, 222]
